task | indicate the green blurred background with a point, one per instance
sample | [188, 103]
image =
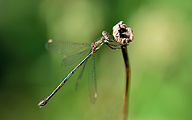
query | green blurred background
[160, 58]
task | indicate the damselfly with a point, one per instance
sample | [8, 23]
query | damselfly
[93, 47]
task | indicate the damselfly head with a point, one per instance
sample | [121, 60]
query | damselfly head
[122, 34]
[106, 35]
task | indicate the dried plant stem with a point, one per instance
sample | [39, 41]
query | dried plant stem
[126, 92]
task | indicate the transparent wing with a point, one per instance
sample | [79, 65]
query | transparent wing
[69, 52]
[65, 47]
[92, 81]
[81, 74]
[71, 59]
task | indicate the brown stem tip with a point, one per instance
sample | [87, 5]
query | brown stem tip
[122, 34]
